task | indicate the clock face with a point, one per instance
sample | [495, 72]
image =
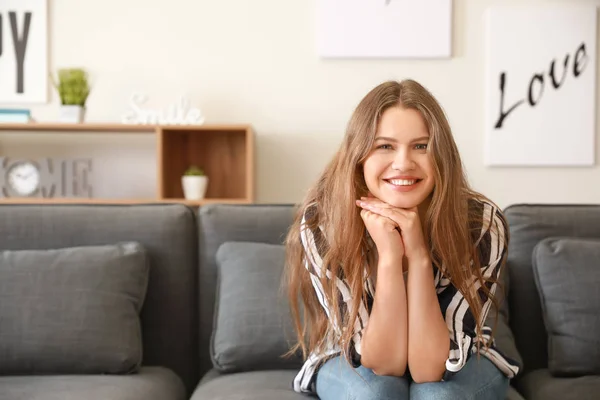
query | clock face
[24, 178]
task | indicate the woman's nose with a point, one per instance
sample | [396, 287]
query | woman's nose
[403, 161]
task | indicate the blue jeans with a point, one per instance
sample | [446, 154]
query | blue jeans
[479, 379]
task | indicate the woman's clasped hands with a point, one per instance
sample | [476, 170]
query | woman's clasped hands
[384, 222]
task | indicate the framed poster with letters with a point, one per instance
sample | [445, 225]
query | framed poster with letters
[23, 51]
[540, 85]
[384, 28]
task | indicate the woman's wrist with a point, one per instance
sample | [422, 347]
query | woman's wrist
[422, 261]
[390, 261]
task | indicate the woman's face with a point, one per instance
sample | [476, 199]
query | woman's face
[398, 169]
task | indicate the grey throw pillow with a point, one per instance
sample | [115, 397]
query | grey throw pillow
[567, 275]
[253, 327]
[72, 310]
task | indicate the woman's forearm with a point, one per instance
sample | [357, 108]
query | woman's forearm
[428, 338]
[384, 345]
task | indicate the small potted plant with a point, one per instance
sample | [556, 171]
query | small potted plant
[73, 88]
[194, 183]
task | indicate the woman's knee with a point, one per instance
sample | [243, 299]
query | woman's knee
[437, 391]
[370, 386]
[338, 380]
[492, 387]
[479, 379]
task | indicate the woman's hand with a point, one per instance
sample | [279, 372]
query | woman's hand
[407, 220]
[385, 235]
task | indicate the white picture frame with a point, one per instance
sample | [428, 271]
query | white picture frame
[537, 111]
[24, 59]
[384, 28]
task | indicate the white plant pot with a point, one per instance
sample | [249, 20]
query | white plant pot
[194, 187]
[71, 114]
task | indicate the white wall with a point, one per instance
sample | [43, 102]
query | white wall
[254, 61]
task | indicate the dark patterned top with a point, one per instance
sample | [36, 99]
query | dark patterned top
[492, 250]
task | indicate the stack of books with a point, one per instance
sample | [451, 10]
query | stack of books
[14, 115]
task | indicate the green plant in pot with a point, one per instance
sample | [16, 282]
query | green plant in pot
[194, 182]
[73, 87]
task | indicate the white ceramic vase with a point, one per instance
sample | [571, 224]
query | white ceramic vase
[71, 114]
[194, 187]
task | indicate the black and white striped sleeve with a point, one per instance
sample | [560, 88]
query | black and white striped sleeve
[314, 243]
[491, 248]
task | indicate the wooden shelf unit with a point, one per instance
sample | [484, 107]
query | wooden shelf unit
[225, 152]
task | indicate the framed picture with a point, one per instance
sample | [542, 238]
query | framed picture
[384, 28]
[540, 85]
[23, 51]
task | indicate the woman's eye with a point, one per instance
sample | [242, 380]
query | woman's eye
[384, 146]
[422, 146]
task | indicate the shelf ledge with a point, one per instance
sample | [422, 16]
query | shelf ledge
[78, 200]
[113, 127]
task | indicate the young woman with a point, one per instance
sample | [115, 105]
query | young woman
[396, 262]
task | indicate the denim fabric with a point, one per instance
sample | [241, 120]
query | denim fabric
[479, 379]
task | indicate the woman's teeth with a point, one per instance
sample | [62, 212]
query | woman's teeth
[403, 182]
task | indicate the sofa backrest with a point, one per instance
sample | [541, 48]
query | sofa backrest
[219, 224]
[528, 225]
[167, 232]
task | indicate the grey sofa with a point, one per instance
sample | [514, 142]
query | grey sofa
[199, 348]
[545, 258]
[169, 318]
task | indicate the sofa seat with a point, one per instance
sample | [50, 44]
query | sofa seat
[513, 394]
[541, 385]
[151, 383]
[263, 385]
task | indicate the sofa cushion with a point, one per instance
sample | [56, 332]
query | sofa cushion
[513, 394]
[168, 232]
[253, 327]
[263, 385]
[220, 223]
[567, 274]
[72, 310]
[541, 385]
[150, 383]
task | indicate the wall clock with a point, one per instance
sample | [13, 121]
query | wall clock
[23, 178]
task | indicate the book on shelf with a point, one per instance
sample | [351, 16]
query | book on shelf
[15, 115]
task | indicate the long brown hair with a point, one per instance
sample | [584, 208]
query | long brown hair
[448, 224]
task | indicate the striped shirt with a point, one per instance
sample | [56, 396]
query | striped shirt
[491, 247]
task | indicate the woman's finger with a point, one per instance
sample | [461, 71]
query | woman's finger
[408, 213]
[387, 212]
[373, 200]
[364, 213]
[368, 204]
[379, 203]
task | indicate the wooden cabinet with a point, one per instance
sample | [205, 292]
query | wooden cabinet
[224, 152]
